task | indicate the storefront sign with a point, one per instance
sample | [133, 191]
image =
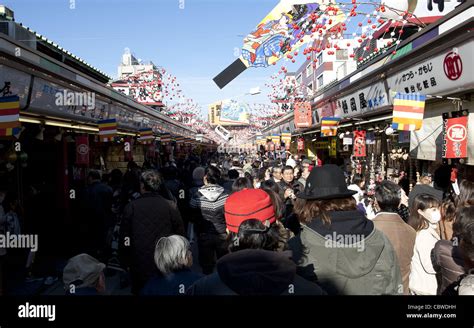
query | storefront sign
[359, 144]
[367, 99]
[347, 140]
[19, 82]
[437, 75]
[321, 145]
[303, 115]
[453, 66]
[82, 150]
[455, 137]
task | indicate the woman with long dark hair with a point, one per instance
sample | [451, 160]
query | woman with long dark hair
[343, 249]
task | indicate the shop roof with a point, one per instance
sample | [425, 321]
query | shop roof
[31, 38]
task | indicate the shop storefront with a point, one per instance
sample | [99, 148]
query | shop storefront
[436, 63]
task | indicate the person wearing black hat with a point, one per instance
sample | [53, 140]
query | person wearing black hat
[338, 245]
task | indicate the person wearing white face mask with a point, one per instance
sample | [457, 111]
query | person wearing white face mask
[424, 217]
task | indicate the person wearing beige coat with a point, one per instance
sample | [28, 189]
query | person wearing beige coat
[400, 234]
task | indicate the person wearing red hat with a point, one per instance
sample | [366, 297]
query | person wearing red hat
[257, 263]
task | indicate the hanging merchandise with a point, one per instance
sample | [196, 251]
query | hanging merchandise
[333, 147]
[9, 115]
[404, 137]
[107, 129]
[329, 126]
[359, 144]
[455, 137]
[370, 138]
[300, 144]
[408, 111]
[82, 150]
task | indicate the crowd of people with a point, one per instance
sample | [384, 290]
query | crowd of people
[246, 225]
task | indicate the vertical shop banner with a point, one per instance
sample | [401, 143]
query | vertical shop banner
[303, 115]
[128, 149]
[107, 129]
[455, 137]
[82, 150]
[408, 111]
[9, 115]
[359, 144]
[300, 144]
[329, 126]
[333, 147]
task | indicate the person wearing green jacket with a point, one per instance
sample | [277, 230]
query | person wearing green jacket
[338, 247]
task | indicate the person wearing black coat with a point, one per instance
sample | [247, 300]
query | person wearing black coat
[257, 263]
[145, 220]
[97, 214]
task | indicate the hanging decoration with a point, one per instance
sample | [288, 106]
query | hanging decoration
[146, 136]
[107, 129]
[408, 111]
[329, 126]
[359, 143]
[455, 137]
[10, 115]
[82, 150]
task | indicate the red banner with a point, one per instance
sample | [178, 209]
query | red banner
[359, 144]
[303, 115]
[82, 150]
[455, 137]
[300, 144]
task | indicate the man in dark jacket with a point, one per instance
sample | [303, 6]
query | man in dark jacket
[145, 220]
[256, 265]
[289, 188]
[207, 204]
[97, 207]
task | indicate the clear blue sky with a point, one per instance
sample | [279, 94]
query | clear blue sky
[194, 43]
